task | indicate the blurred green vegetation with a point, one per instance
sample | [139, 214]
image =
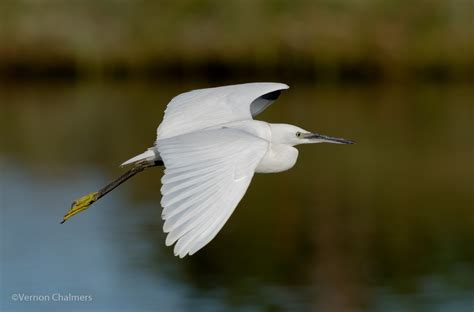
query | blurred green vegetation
[323, 39]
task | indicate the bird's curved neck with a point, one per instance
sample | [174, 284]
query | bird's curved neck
[279, 157]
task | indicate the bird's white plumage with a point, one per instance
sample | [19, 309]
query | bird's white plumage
[211, 147]
[207, 173]
[203, 108]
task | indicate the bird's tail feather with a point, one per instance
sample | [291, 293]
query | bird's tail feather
[148, 155]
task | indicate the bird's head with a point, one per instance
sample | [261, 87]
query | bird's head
[293, 135]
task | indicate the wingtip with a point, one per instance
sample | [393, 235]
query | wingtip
[281, 85]
[181, 254]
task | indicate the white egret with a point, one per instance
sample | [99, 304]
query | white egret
[211, 146]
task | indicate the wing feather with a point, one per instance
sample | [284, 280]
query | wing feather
[207, 174]
[204, 108]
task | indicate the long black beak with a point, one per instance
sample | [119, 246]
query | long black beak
[325, 138]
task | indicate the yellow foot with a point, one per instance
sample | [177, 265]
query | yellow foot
[81, 204]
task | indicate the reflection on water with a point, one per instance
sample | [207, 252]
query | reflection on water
[383, 225]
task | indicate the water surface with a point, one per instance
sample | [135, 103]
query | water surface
[383, 225]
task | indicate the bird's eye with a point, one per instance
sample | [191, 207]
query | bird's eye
[298, 134]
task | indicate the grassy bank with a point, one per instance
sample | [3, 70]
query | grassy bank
[325, 39]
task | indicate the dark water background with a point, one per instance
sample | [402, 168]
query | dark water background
[383, 225]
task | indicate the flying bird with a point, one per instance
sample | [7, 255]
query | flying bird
[211, 146]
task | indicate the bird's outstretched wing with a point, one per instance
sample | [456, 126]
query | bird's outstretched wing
[203, 108]
[207, 174]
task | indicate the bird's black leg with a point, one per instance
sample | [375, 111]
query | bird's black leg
[86, 201]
